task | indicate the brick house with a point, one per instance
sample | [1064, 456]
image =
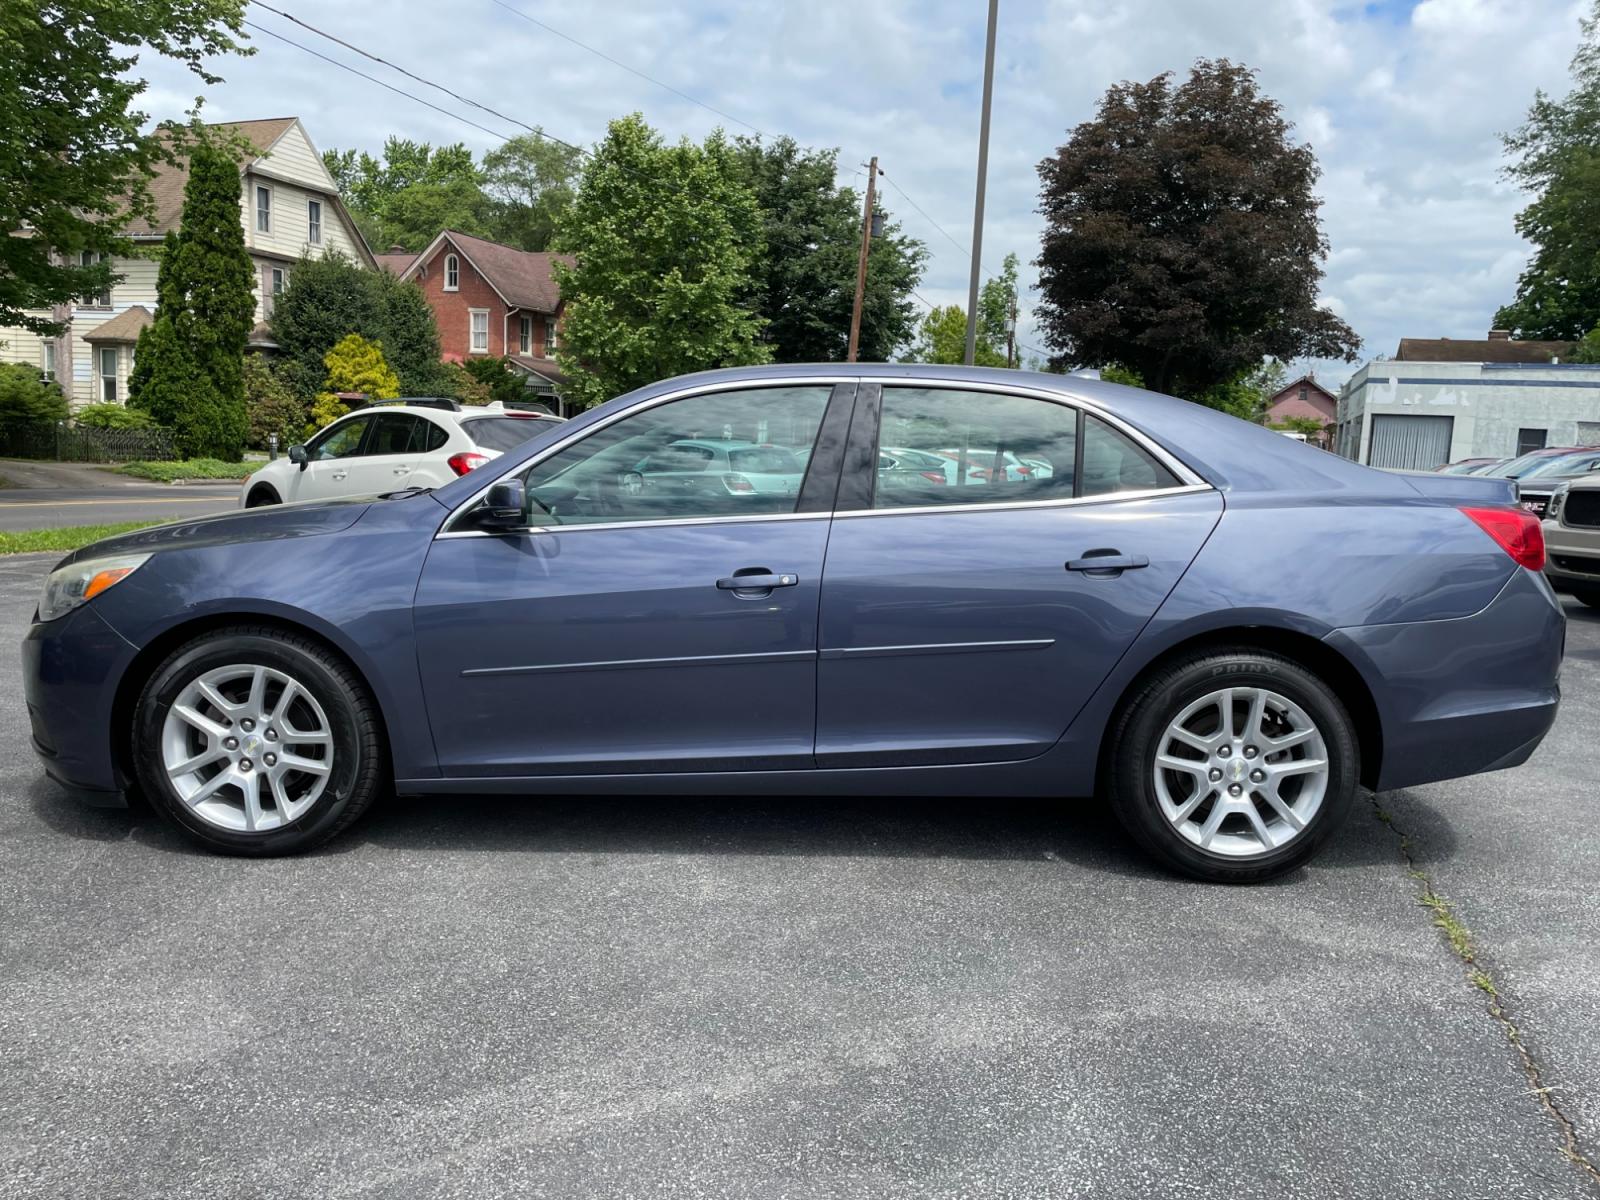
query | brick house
[490, 299]
[1305, 397]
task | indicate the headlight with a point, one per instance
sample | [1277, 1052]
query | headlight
[78, 583]
[1558, 500]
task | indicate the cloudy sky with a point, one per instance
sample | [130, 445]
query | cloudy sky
[1401, 99]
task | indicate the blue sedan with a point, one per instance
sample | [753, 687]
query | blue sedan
[1222, 631]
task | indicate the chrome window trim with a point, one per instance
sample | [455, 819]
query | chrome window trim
[1192, 482]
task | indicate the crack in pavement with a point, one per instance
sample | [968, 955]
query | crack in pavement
[1461, 943]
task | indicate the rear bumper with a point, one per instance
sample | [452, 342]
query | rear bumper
[1464, 696]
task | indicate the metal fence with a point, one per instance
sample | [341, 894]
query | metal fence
[83, 443]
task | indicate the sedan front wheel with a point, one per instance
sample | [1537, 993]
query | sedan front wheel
[256, 741]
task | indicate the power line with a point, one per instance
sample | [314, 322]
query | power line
[517, 12]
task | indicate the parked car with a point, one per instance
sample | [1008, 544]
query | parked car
[1468, 466]
[415, 443]
[1524, 464]
[1535, 487]
[1572, 532]
[1220, 630]
[724, 466]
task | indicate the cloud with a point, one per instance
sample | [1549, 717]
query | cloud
[1403, 102]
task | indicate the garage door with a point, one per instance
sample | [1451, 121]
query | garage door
[1410, 443]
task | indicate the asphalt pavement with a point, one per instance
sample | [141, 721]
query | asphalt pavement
[42, 495]
[571, 997]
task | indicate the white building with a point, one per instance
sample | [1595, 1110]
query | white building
[1441, 399]
[290, 209]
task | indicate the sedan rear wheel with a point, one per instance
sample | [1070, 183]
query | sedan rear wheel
[256, 741]
[1234, 767]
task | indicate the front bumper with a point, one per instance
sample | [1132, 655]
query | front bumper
[1464, 696]
[1572, 557]
[70, 671]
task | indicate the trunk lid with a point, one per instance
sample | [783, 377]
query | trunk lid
[1483, 490]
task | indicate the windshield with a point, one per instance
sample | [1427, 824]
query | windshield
[1563, 464]
[503, 433]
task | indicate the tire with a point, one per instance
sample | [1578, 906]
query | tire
[261, 496]
[1150, 800]
[329, 723]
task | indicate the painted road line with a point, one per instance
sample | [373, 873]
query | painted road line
[120, 501]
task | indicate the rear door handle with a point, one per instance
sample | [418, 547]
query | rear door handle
[757, 583]
[402, 470]
[340, 475]
[1108, 563]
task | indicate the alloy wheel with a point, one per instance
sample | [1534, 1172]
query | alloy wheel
[1241, 771]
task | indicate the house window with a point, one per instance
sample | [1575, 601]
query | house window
[480, 330]
[452, 273]
[49, 360]
[101, 299]
[525, 335]
[263, 210]
[1531, 439]
[314, 222]
[549, 336]
[279, 278]
[1305, 393]
[108, 374]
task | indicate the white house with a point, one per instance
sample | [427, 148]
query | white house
[290, 210]
[1439, 400]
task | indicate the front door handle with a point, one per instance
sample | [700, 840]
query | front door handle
[756, 581]
[1107, 564]
[402, 470]
[340, 475]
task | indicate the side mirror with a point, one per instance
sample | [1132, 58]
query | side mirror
[297, 455]
[505, 506]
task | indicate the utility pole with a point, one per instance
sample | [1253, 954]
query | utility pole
[1011, 331]
[983, 174]
[861, 262]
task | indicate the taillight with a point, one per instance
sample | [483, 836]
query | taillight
[1024, 472]
[1516, 529]
[468, 461]
[935, 476]
[737, 483]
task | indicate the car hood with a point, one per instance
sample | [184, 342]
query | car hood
[270, 523]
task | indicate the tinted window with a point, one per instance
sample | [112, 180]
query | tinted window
[1114, 462]
[395, 433]
[502, 433]
[433, 436]
[1564, 464]
[953, 447]
[664, 463]
[340, 441]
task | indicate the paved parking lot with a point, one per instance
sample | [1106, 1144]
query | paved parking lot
[723, 997]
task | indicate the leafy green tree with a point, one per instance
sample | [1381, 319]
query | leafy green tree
[112, 416]
[463, 386]
[76, 164]
[943, 339]
[1556, 156]
[354, 365]
[411, 191]
[270, 405]
[1588, 349]
[997, 300]
[530, 182]
[1181, 236]
[190, 361]
[805, 280]
[668, 240]
[330, 297]
[28, 398]
[1309, 426]
[498, 375]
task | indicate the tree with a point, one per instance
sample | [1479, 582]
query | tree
[330, 297]
[530, 182]
[943, 339]
[1588, 349]
[1556, 154]
[1181, 236]
[354, 365]
[805, 281]
[667, 241]
[497, 375]
[28, 398]
[270, 406]
[997, 302]
[76, 164]
[410, 192]
[190, 360]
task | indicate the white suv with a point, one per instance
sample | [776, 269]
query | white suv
[391, 445]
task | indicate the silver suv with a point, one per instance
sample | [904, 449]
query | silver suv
[1572, 539]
